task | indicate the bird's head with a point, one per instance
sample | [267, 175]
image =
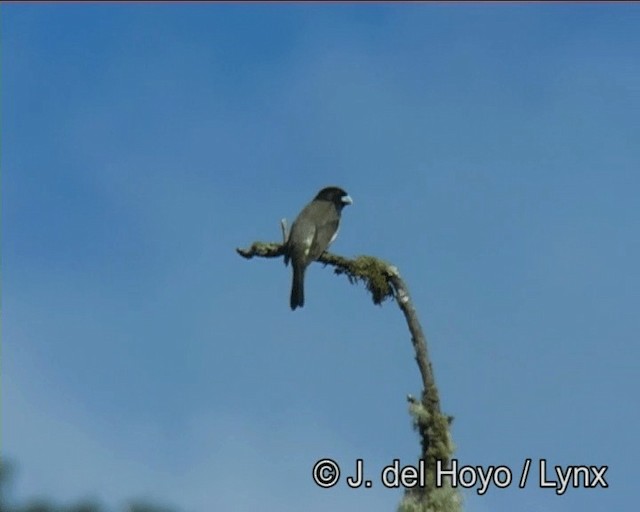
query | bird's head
[335, 195]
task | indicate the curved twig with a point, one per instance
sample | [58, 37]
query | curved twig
[383, 281]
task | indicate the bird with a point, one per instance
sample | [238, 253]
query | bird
[314, 229]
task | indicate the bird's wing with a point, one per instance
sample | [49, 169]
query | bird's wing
[303, 233]
[324, 235]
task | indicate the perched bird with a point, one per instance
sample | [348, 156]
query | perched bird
[311, 234]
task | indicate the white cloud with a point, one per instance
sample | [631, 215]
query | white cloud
[228, 461]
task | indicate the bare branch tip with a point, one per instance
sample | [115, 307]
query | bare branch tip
[285, 230]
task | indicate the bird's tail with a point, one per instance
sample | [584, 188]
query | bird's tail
[297, 287]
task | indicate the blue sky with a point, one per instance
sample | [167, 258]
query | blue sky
[493, 154]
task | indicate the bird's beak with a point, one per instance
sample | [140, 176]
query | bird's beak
[347, 200]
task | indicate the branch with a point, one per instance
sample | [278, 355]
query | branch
[263, 250]
[383, 281]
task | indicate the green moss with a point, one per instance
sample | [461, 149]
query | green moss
[372, 272]
[443, 499]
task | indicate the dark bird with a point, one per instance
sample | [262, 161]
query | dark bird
[311, 234]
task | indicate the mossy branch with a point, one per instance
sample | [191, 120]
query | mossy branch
[384, 282]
